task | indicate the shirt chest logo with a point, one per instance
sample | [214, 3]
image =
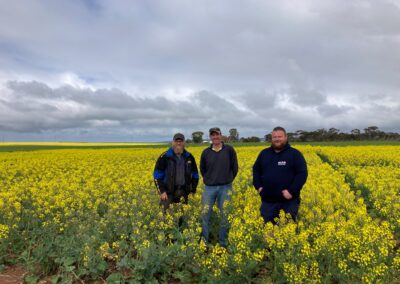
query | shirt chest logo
[281, 163]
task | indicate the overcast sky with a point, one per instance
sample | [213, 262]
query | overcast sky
[142, 70]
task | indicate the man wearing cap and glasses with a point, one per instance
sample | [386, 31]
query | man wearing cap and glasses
[175, 173]
[219, 167]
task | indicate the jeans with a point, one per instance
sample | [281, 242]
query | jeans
[219, 193]
[270, 210]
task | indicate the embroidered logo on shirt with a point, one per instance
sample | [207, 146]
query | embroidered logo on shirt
[281, 163]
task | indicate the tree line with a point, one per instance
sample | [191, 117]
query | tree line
[322, 134]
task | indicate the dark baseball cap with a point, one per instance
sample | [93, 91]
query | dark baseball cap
[215, 129]
[179, 136]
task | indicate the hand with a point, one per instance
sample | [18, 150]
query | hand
[286, 194]
[260, 189]
[164, 196]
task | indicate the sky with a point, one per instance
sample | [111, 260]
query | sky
[125, 70]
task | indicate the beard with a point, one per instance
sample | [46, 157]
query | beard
[279, 146]
[178, 149]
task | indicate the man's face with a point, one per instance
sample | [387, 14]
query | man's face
[215, 138]
[279, 139]
[178, 145]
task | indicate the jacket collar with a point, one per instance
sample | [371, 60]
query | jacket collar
[170, 153]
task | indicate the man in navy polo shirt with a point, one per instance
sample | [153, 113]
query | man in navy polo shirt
[279, 174]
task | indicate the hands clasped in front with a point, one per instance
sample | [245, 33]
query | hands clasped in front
[285, 193]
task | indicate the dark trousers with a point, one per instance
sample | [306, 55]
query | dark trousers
[174, 197]
[270, 210]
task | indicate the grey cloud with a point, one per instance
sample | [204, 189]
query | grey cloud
[244, 47]
[307, 97]
[332, 110]
[259, 100]
[34, 107]
[337, 63]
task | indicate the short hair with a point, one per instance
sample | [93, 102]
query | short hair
[279, 128]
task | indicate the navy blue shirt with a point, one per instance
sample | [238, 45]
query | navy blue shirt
[276, 171]
[219, 168]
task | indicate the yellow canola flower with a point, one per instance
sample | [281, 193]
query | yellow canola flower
[113, 190]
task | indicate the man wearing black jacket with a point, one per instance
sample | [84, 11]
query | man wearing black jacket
[219, 167]
[175, 173]
[279, 174]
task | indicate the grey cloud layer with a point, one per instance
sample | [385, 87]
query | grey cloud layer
[302, 64]
[209, 45]
[35, 107]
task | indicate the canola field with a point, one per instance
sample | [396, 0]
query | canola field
[80, 215]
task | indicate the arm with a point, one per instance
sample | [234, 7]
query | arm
[257, 172]
[195, 175]
[159, 174]
[234, 163]
[203, 167]
[300, 176]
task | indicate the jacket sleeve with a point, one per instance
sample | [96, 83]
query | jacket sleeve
[234, 163]
[195, 175]
[159, 174]
[300, 176]
[257, 173]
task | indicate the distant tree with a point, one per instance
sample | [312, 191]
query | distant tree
[250, 139]
[355, 134]
[225, 138]
[254, 139]
[197, 137]
[233, 135]
[333, 133]
[292, 136]
[320, 134]
[301, 135]
[268, 137]
[371, 131]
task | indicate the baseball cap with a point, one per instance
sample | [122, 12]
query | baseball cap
[215, 129]
[178, 136]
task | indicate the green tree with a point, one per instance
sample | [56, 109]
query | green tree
[233, 135]
[197, 137]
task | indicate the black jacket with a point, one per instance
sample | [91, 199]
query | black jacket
[219, 168]
[164, 172]
[275, 172]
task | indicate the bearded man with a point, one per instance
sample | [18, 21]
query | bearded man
[175, 173]
[279, 174]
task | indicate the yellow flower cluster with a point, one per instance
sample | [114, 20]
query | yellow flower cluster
[3, 231]
[104, 203]
[375, 173]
